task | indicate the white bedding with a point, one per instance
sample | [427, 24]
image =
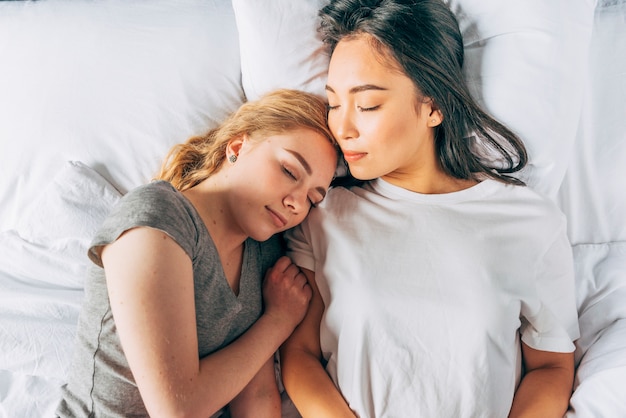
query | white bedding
[92, 94]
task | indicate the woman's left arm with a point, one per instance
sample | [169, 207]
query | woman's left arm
[547, 384]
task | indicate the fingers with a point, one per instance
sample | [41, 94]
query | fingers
[285, 268]
[283, 264]
[300, 280]
[286, 291]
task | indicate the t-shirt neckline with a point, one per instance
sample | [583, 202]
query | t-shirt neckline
[480, 190]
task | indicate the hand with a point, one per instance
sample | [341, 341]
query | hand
[286, 293]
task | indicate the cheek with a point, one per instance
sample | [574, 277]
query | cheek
[401, 130]
[257, 181]
[297, 220]
[261, 172]
[378, 128]
[333, 122]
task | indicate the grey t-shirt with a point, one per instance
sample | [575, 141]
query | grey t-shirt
[100, 382]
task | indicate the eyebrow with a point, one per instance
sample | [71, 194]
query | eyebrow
[307, 168]
[358, 89]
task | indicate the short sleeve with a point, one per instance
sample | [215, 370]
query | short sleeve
[299, 247]
[550, 318]
[156, 205]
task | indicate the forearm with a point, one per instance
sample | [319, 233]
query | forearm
[543, 393]
[227, 372]
[310, 388]
[260, 398]
[216, 379]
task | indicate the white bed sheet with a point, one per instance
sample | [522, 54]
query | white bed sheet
[593, 197]
[43, 266]
[28, 396]
[593, 193]
[600, 385]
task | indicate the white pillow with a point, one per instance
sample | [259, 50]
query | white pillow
[49, 243]
[111, 83]
[280, 47]
[44, 264]
[524, 64]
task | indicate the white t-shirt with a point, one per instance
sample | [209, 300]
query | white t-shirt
[426, 295]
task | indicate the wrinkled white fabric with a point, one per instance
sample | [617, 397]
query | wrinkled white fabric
[426, 295]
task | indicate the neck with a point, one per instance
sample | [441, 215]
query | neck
[422, 172]
[212, 206]
[432, 182]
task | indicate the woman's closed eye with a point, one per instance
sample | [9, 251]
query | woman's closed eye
[315, 200]
[289, 173]
[294, 176]
[361, 108]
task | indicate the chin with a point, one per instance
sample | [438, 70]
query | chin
[263, 235]
[263, 239]
[360, 173]
[363, 176]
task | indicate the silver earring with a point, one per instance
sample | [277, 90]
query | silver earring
[232, 159]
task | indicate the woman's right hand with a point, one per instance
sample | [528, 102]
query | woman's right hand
[286, 293]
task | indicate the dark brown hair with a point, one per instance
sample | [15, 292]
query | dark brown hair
[424, 40]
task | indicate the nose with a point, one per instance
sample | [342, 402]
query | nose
[342, 125]
[297, 201]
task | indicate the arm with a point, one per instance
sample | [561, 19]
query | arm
[546, 386]
[150, 285]
[260, 398]
[307, 383]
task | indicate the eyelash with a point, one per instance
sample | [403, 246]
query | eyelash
[362, 109]
[289, 174]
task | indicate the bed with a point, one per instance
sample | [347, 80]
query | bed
[93, 94]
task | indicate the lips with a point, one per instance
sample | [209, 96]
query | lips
[351, 156]
[279, 220]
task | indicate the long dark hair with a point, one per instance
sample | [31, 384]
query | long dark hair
[423, 36]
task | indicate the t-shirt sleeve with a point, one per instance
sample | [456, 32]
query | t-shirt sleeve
[299, 247]
[155, 205]
[550, 319]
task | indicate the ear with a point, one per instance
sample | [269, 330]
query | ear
[430, 109]
[234, 145]
[435, 117]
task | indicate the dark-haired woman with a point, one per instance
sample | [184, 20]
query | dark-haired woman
[443, 287]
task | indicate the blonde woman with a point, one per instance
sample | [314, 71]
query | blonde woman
[178, 319]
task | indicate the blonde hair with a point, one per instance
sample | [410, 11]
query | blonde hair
[280, 111]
